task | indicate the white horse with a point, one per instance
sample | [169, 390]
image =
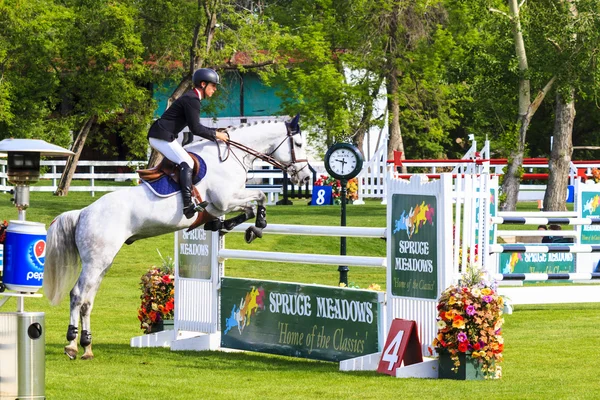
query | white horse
[96, 233]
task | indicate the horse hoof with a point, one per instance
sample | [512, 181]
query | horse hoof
[71, 353]
[87, 357]
[252, 233]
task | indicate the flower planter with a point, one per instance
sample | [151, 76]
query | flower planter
[166, 325]
[469, 369]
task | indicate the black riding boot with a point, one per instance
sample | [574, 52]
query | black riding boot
[185, 181]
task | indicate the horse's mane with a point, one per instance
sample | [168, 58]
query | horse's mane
[251, 124]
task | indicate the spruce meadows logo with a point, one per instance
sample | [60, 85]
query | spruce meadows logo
[240, 316]
[590, 206]
[418, 216]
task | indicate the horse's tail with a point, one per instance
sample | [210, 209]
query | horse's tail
[61, 266]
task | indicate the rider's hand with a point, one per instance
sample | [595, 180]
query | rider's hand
[222, 135]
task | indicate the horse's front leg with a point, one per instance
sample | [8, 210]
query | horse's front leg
[241, 200]
[261, 217]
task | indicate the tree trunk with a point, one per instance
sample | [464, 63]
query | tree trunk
[392, 86]
[562, 150]
[71, 165]
[512, 177]
[562, 145]
[367, 115]
[395, 133]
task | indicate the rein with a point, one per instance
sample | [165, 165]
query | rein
[268, 157]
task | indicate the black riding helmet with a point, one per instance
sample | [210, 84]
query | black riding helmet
[205, 75]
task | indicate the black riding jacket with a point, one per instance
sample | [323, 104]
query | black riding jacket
[185, 111]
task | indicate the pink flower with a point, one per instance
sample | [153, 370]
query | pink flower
[461, 337]
[470, 310]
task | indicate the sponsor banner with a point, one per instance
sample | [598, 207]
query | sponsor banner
[309, 321]
[543, 263]
[590, 202]
[24, 256]
[194, 253]
[414, 270]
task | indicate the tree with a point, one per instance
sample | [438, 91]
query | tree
[99, 69]
[572, 28]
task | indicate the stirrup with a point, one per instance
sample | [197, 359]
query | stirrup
[192, 209]
[201, 206]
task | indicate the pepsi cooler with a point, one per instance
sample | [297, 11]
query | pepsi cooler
[24, 255]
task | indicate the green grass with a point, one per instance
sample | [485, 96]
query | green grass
[550, 351]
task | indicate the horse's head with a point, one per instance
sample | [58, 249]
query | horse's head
[292, 153]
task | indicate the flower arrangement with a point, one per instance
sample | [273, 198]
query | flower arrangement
[158, 289]
[596, 175]
[470, 321]
[336, 188]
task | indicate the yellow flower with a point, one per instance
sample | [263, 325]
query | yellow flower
[452, 300]
[486, 291]
[458, 322]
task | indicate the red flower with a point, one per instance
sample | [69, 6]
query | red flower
[166, 279]
[476, 346]
[170, 305]
[462, 347]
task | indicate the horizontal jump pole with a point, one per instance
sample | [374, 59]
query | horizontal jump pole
[543, 214]
[555, 248]
[357, 261]
[316, 230]
[536, 233]
[545, 221]
[574, 276]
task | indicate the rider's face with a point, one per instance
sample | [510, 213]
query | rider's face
[210, 89]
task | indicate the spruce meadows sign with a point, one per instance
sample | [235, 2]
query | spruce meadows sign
[310, 321]
[414, 246]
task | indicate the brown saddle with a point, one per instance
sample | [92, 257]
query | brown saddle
[170, 169]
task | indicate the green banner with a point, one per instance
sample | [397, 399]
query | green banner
[414, 246]
[194, 253]
[590, 234]
[291, 319]
[543, 263]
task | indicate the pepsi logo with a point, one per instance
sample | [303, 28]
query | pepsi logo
[39, 251]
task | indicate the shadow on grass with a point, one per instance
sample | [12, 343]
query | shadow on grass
[115, 354]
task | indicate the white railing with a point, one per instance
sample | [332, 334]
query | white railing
[371, 180]
[101, 173]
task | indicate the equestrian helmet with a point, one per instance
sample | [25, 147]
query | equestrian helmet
[205, 75]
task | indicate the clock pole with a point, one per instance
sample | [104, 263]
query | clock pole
[343, 269]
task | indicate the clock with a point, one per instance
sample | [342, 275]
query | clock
[343, 161]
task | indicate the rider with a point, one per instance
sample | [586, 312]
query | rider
[185, 111]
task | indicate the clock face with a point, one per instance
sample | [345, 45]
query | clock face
[342, 161]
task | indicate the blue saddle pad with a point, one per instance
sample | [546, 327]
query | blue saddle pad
[166, 185]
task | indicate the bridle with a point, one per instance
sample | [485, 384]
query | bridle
[287, 167]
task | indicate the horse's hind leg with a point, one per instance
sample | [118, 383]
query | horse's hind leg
[71, 348]
[82, 299]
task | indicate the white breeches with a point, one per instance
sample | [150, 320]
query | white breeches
[172, 150]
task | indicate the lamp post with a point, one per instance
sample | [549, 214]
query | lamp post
[22, 342]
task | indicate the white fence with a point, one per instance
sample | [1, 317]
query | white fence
[101, 173]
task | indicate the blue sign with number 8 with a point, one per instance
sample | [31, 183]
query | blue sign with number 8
[321, 196]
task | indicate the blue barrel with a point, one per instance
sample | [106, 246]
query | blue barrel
[24, 255]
